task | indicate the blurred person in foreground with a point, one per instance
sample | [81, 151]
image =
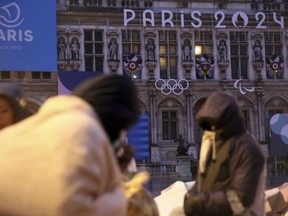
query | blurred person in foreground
[12, 105]
[61, 161]
[140, 200]
[231, 172]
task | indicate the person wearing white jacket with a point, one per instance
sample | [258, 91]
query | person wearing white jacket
[61, 161]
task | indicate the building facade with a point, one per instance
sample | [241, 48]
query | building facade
[178, 53]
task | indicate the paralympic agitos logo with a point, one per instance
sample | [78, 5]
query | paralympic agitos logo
[11, 20]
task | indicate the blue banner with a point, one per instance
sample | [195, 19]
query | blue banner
[28, 35]
[138, 137]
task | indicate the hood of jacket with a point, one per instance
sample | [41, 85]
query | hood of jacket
[222, 111]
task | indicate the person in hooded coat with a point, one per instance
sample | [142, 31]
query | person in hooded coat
[231, 172]
[61, 160]
[12, 105]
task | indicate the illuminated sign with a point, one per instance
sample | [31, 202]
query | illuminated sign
[239, 19]
[28, 35]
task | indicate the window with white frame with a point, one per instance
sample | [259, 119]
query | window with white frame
[93, 48]
[168, 54]
[239, 55]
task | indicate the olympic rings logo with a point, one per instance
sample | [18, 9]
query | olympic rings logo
[172, 85]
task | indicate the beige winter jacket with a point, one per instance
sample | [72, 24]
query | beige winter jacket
[59, 163]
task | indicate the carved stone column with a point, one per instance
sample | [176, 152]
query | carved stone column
[188, 97]
[261, 120]
[154, 148]
[152, 96]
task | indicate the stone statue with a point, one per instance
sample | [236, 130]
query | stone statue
[257, 48]
[61, 48]
[150, 48]
[74, 49]
[186, 51]
[113, 50]
[222, 51]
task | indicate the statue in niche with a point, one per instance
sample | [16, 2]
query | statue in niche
[61, 48]
[113, 50]
[150, 48]
[186, 50]
[222, 51]
[257, 48]
[74, 48]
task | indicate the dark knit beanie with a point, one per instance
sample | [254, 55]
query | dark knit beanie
[115, 100]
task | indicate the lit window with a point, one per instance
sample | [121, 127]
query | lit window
[168, 54]
[204, 55]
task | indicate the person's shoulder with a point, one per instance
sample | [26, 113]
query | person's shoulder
[249, 145]
[69, 112]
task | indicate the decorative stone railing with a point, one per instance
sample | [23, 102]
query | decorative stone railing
[158, 169]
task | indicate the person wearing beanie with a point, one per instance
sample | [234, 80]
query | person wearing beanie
[114, 100]
[61, 161]
[12, 109]
[231, 171]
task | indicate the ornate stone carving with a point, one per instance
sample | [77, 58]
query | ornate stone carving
[68, 49]
[113, 55]
[223, 62]
[258, 62]
[187, 61]
[150, 46]
[113, 65]
[155, 156]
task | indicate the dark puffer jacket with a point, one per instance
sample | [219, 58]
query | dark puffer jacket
[234, 182]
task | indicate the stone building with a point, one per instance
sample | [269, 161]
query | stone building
[178, 53]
